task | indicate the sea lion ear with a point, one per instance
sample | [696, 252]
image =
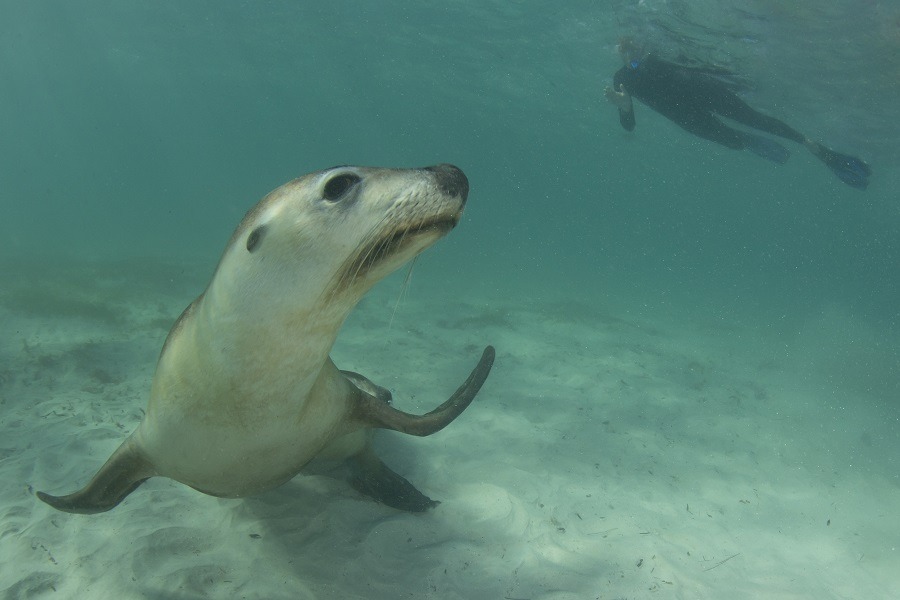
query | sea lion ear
[373, 412]
[255, 237]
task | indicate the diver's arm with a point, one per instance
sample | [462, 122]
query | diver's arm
[626, 118]
[622, 100]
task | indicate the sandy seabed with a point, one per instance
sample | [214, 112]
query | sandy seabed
[608, 456]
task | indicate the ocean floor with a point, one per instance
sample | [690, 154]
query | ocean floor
[608, 456]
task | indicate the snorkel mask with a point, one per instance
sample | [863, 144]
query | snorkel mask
[631, 52]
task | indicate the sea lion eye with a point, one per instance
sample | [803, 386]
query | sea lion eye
[338, 185]
[255, 238]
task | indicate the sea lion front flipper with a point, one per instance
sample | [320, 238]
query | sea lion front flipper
[373, 412]
[376, 480]
[125, 470]
[371, 477]
[366, 385]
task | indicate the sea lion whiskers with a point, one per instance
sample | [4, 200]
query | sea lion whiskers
[379, 244]
[350, 270]
[404, 289]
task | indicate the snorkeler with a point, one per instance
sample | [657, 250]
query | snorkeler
[692, 97]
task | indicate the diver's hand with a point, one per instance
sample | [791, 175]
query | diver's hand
[620, 98]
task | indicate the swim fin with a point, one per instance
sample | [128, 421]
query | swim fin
[768, 149]
[849, 169]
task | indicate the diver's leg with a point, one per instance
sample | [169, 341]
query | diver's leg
[851, 170]
[709, 127]
[729, 105]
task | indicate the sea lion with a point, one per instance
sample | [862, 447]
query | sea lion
[245, 393]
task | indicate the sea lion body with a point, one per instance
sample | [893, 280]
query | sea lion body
[244, 393]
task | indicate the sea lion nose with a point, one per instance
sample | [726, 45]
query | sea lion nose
[451, 179]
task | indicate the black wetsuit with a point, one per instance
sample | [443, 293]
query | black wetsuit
[691, 98]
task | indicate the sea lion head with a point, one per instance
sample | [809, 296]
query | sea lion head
[327, 237]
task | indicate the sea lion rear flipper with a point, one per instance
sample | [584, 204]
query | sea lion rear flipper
[376, 413]
[125, 470]
[376, 480]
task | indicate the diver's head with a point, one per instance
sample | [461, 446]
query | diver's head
[631, 52]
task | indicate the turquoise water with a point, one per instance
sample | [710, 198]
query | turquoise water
[145, 130]
[148, 129]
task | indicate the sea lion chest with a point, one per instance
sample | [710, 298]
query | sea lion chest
[239, 405]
